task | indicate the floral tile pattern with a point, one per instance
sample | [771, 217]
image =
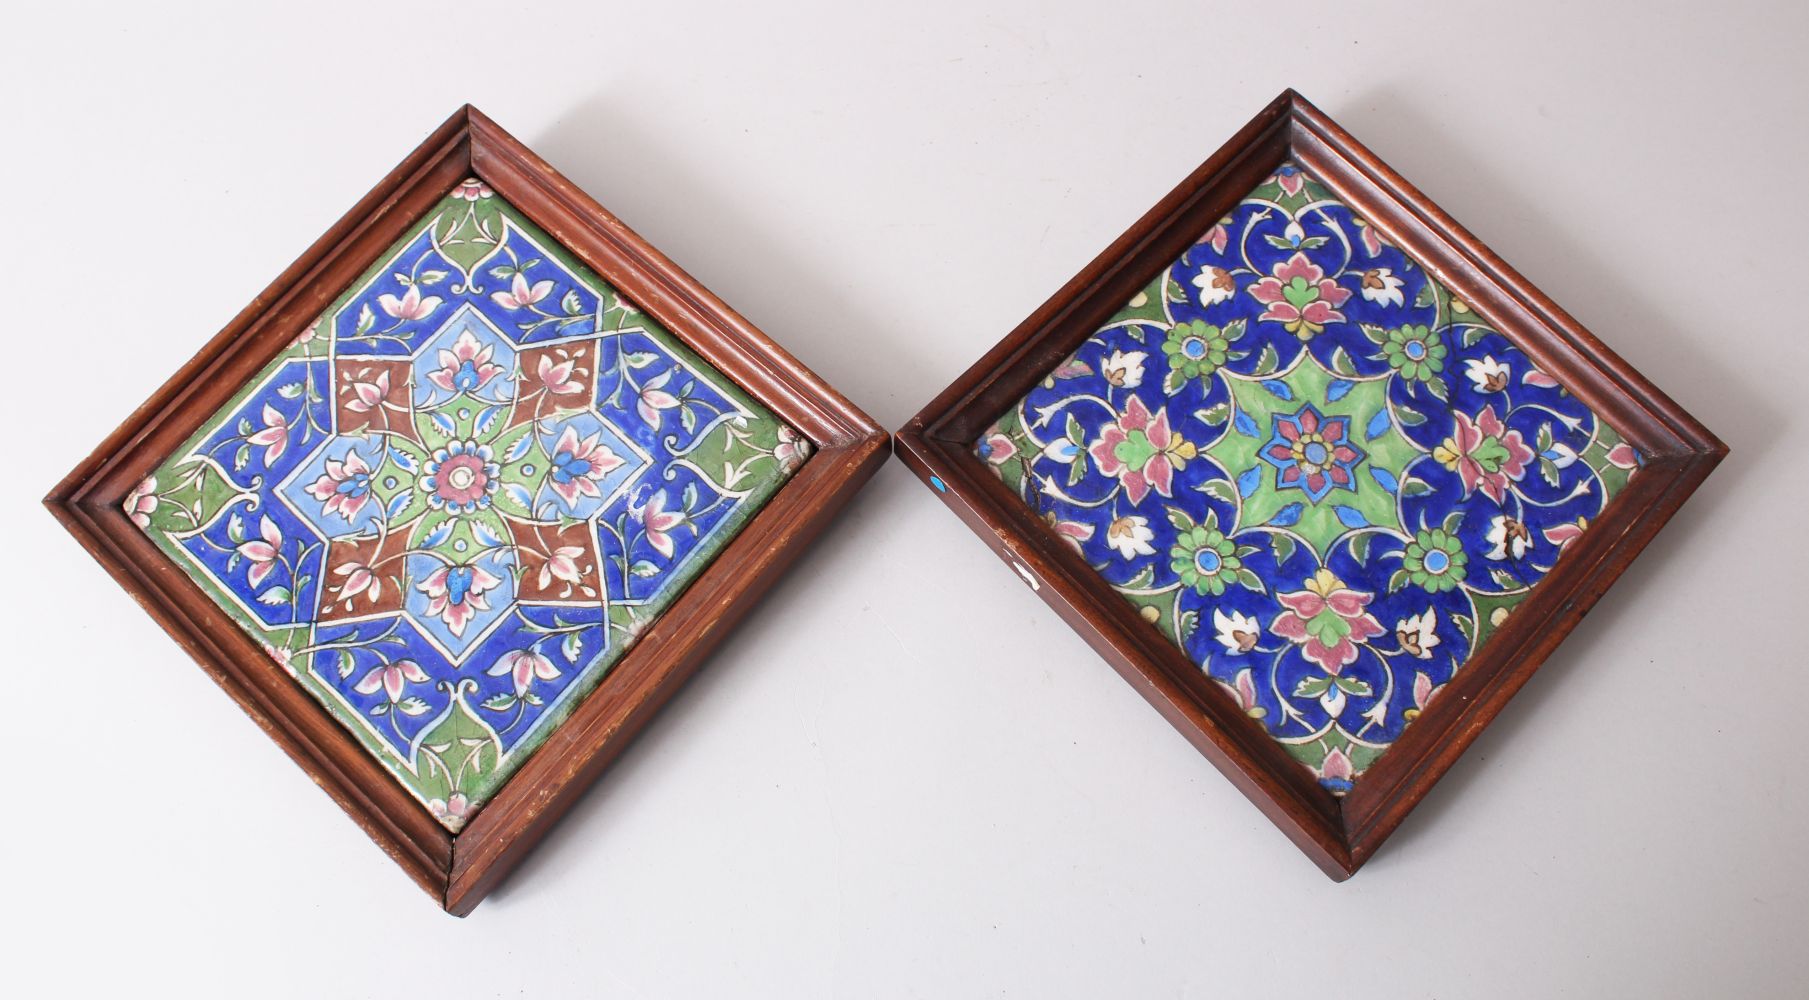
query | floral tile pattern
[1318, 472]
[461, 494]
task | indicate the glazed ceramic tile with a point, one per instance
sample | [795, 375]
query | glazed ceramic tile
[1314, 469]
[457, 498]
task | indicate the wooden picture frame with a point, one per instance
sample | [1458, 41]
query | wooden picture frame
[458, 870]
[1339, 834]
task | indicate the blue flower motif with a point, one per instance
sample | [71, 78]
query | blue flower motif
[1312, 453]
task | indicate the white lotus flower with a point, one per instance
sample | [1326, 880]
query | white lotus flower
[1131, 536]
[1416, 634]
[1487, 374]
[1379, 285]
[1333, 700]
[1215, 284]
[1237, 632]
[1509, 538]
[1124, 369]
[1061, 450]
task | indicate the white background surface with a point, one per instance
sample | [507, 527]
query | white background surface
[905, 777]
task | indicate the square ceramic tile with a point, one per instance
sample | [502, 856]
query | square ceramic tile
[1313, 468]
[460, 495]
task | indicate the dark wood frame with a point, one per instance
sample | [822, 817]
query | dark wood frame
[1338, 834]
[459, 870]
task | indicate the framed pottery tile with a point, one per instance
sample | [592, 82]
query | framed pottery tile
[482, 468]
[1314, 470]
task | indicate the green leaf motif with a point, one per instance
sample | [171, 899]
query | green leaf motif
[1220, 490]
[1312, 687]
[1189, 624]
[1141, 581]
[1465, 625]
[1351, 685]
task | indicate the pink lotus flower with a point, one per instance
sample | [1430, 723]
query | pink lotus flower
[659, 522]
[142, 502]
[1327, 620]
[1562, 535]
[273, 437]
[1072, 532]
[562, 564]
[997, 448]
[556, 376]
[1217, 238]
[367, 396]
[456, 593]
[393, 678]
[1141, 451]
[523, 666]
[522, 295]
[578, 464]
[1622, 456]
[358, 578]
[344, 488]
[452, 811]
[1337, 773]
[262, 552]
[472, 189]
[1290, 178]
[1423, 691]
[1485, 454]
[1243, 688]
[411, 306]
[1300, 297]
[467, 367]
[655, 398]
[283, 656]
[792, 448]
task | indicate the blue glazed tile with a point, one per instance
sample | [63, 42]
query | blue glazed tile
[1313, 468]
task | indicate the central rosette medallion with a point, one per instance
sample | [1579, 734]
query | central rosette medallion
[1313, 453]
